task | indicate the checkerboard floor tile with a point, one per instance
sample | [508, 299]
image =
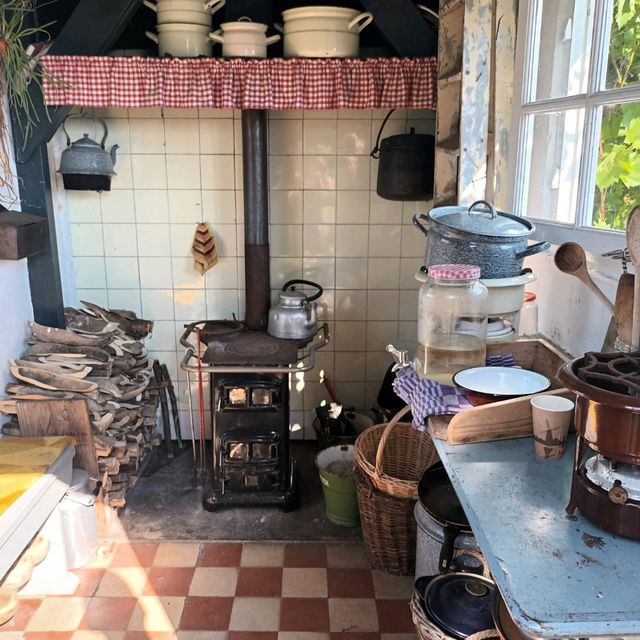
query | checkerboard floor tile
[223, 591]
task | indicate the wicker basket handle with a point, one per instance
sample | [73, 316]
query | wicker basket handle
[482, 635]
[385, 436]
[469, 551]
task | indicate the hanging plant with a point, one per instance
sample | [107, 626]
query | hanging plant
[19, 59]
[19, 67]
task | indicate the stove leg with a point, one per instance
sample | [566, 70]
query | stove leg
[581, 448]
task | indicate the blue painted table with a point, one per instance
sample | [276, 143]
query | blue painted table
[559, 575]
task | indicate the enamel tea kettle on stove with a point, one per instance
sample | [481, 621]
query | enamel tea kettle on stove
[86, 165]
[294, 317]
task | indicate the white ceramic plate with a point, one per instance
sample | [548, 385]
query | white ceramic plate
[501, 381]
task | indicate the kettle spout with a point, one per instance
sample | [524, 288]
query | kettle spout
[112, 153]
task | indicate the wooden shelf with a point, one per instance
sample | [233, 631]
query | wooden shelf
[22, 235]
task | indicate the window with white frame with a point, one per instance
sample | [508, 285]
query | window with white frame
[577, 113]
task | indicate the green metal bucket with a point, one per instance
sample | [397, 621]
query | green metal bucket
[339, 489]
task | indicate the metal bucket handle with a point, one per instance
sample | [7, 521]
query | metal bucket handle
[475, 210]
[375, 152]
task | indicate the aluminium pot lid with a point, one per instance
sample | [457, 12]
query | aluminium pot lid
[460, 603]
[482, 219]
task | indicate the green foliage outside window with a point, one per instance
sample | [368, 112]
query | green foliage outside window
[618, 173]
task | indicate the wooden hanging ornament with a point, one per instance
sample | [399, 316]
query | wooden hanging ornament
[203, 249]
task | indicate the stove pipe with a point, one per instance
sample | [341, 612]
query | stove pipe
[256, 218]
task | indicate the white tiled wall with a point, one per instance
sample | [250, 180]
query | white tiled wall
[131, 246]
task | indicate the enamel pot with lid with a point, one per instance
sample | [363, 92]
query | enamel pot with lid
[405, 171]
[495, 241]
[294, 317]
[323, 32]
[243, 39]
[184, 11]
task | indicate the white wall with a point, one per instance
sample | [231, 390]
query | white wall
[175, 168]
[15, 305]
[568, 312]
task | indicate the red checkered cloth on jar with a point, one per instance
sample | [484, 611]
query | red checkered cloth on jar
[273, 83]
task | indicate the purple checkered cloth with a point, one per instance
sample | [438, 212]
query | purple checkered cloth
[431, 398]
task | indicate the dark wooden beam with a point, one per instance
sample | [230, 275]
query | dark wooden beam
[93, 28]
[44, 270]
[404, 27]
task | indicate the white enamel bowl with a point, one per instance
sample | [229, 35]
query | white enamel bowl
[489, 384]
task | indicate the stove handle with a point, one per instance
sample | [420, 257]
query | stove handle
[189, 328]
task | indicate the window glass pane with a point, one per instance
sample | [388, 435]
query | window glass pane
[553, 147]
[623, 68]
[617, 188]
[563, 48]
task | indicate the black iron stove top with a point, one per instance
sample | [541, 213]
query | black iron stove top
[232, 343]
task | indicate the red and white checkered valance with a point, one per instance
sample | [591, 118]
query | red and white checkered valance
[273, 83]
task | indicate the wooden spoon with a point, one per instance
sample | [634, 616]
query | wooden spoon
[571, 259]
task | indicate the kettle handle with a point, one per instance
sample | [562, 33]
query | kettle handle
[315, 296]
[66, 133]
[106, 133]
[77, 115]
[375, 153]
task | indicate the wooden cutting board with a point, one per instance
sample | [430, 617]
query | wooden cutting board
[61, 418]
[497, 421]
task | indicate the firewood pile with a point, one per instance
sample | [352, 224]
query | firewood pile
[98, 357]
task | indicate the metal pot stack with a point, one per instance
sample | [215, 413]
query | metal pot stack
[184, 26]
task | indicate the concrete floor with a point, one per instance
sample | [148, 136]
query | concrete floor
[165, 506]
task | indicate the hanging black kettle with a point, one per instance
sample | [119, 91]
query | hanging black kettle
[406, 165]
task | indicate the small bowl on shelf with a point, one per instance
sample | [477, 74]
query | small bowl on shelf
[484, 385]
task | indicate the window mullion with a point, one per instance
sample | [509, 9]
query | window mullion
[601, 29]
[588, 166]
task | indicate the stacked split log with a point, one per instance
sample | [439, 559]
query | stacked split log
[98, 357]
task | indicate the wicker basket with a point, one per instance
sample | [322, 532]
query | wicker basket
[395, 455]
[426, 629]
[388, 528]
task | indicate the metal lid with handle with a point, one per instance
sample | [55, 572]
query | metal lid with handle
[481, 218]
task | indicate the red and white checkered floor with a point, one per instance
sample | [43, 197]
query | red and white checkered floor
[223, 591]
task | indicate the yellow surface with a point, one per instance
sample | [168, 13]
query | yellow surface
[23, 461]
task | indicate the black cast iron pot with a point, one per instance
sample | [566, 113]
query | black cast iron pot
[496, 242]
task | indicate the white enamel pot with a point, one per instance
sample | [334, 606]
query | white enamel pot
[323, 32]
[182, 40]
[243, 39]
[186, 11]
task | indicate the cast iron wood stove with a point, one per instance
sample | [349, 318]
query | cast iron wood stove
[248, 373]
[249, 370]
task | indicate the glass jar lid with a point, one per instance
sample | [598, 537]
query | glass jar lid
[454, 271]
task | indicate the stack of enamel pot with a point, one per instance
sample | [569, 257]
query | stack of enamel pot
[183, 26]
